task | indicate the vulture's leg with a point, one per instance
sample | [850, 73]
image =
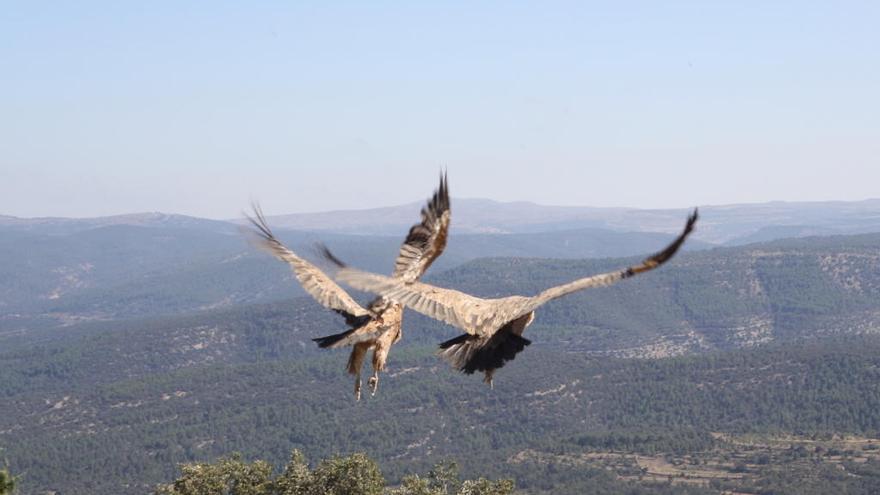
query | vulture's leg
[355, 363]
[374, 383]
[488, 378]
[380, 355]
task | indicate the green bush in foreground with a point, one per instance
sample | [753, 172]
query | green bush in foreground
[7, 483]
[444, 480]
[356, 474]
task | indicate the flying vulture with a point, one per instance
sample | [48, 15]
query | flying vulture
[493, 327]
[378, 326]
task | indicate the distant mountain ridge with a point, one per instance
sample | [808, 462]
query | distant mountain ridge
[721, 224]
[63, 225]
[735, 224]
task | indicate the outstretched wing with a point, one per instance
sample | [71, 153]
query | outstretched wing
[313, 280]
[471, 314]
[426, 240]
[478, 316]
[605, 279]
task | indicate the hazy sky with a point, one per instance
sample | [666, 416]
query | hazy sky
[117, 107]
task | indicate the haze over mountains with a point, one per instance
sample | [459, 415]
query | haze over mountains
[736, 224]
[722, 224]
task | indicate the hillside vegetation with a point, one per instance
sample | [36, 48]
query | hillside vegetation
[145, 407]
[767, 380]
[355, 474]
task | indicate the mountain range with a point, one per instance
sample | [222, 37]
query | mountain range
[723, 224]
[152, 263]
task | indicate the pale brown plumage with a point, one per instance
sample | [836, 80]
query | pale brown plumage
[378, 326]
[493, 327]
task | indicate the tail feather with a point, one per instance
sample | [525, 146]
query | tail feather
[333, 341]
[368, 330]
[470, 353]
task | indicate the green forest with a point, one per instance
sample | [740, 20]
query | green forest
[548, 407]
[751, 369]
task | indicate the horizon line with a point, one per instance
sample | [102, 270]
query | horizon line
[418, 202]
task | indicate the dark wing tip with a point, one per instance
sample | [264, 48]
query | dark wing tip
[325, 253]
[670, 250]
[444, 191]
[440, 200]
[258, 222]
[692, 221]
[426, 239]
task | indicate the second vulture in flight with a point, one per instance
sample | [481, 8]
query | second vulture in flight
[493, 327]
[378, 326]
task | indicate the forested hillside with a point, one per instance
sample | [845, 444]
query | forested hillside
[130, 405]
[776, 374]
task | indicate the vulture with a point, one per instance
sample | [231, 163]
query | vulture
[377, 326]
[492, 328]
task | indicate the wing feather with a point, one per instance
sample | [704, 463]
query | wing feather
[606, 279]
[315, 282]
[427, 239]
[478, 316]
[471, 314]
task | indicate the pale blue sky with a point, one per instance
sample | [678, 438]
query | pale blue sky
[116, 107]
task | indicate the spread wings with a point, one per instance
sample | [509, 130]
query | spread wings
[427, 239]
[317, 284]
[423, 244]
[472, 314]
[478, 316]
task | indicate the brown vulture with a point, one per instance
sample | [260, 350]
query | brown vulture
[378, 326]
[493, 327]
